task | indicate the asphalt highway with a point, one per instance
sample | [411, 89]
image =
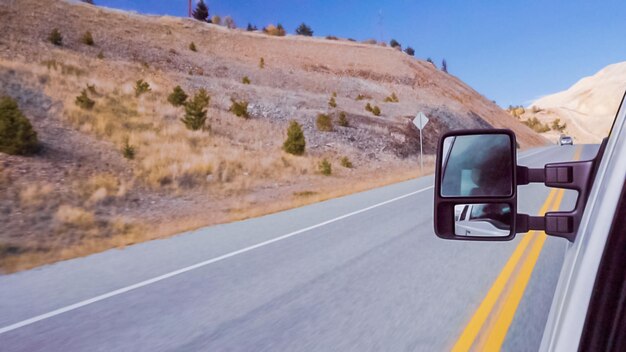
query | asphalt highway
[358, 273]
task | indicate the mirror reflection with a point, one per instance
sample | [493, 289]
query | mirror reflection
[482, 220]
[477, 165]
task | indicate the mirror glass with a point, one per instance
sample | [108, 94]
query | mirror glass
[477, 165]
[482, 220]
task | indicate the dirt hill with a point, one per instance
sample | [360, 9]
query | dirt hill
[588, 107]
[82, 192]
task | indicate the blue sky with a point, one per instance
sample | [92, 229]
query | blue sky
[510, 51]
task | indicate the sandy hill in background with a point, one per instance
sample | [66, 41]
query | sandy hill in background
[80, 194]
[589, 106]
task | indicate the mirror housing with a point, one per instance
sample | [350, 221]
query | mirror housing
[459, 176]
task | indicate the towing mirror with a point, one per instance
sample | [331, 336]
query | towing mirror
[475, 193]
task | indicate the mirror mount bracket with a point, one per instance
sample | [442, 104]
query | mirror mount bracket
[559, 224]
[527, 175]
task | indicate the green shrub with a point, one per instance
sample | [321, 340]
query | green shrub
[100, 55]
[331, 37]
[261, 63]
[196, 110]
[251, 28]
[324, 123]
[245, 80]
[409, 51]
[178, 97]
[128, 150]
[343, 120]
[362, 97]
[345, 162]
[394, 43]
[91, 88]
[325, 167]
[141, 87]
[192, 47]
[87, 39]
[368, 107]
[305, 30]
[239, 108]
[332, 103]
[392, 98]
[376, 111]
[17, 136]
[83, 101]
[55, 37]
[216, 20]
[295, 142]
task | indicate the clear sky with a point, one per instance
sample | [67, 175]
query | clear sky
[510, 51]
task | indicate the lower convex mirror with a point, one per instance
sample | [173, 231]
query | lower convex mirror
[483, 220]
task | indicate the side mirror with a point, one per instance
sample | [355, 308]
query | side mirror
[475, 185]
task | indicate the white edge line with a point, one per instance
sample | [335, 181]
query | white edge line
[192, 267]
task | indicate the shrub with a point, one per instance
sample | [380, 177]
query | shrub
[17, 136]
[362, 97]
[141, 87]
[87, 39]
[325, 167]
[91, 88]
[368, 107]
[431, 62]
[128, 150]
[178, 97]
[343, 120]
[536, 125]
[295, 142]
[275, 30]
[305, 30]
[201, 12]
[55, 37]
[83, 101]
[239, 108]
[332, 103]
[216, 20]
[100, 55]
[196, 110]
[345, 162]
[444, 66]
[192, 47]
[251, 28]
[394, 43]
[324, 123]
[369, 41]
[556, 125]
[229, 22]
[376, 111]
[392, 98]
[245, 80]
[331, 37]
[261, 63]
[409, 51]
[90, 2]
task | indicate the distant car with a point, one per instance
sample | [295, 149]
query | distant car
[566, 140]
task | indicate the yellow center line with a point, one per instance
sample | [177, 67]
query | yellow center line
[528, 251]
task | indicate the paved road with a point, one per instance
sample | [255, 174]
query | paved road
[358, 273]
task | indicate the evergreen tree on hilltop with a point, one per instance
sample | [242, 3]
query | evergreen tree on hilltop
[201, 13]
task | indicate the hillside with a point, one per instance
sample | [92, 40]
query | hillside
[83, 193]
[589, 106]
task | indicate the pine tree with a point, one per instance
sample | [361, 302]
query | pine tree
[444, 66]
[196, 110]
[16, 133]
[178, 97]
[295, 142]
[201, 13]
[305, 30]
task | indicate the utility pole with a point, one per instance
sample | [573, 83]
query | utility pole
[189, 7]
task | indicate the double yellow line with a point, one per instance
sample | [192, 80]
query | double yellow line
[490, 323]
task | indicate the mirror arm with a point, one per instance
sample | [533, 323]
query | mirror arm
[526, 175]
[525, 223]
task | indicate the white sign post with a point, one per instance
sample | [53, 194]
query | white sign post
[420, 121]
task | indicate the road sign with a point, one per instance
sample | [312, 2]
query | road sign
[420, 120]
